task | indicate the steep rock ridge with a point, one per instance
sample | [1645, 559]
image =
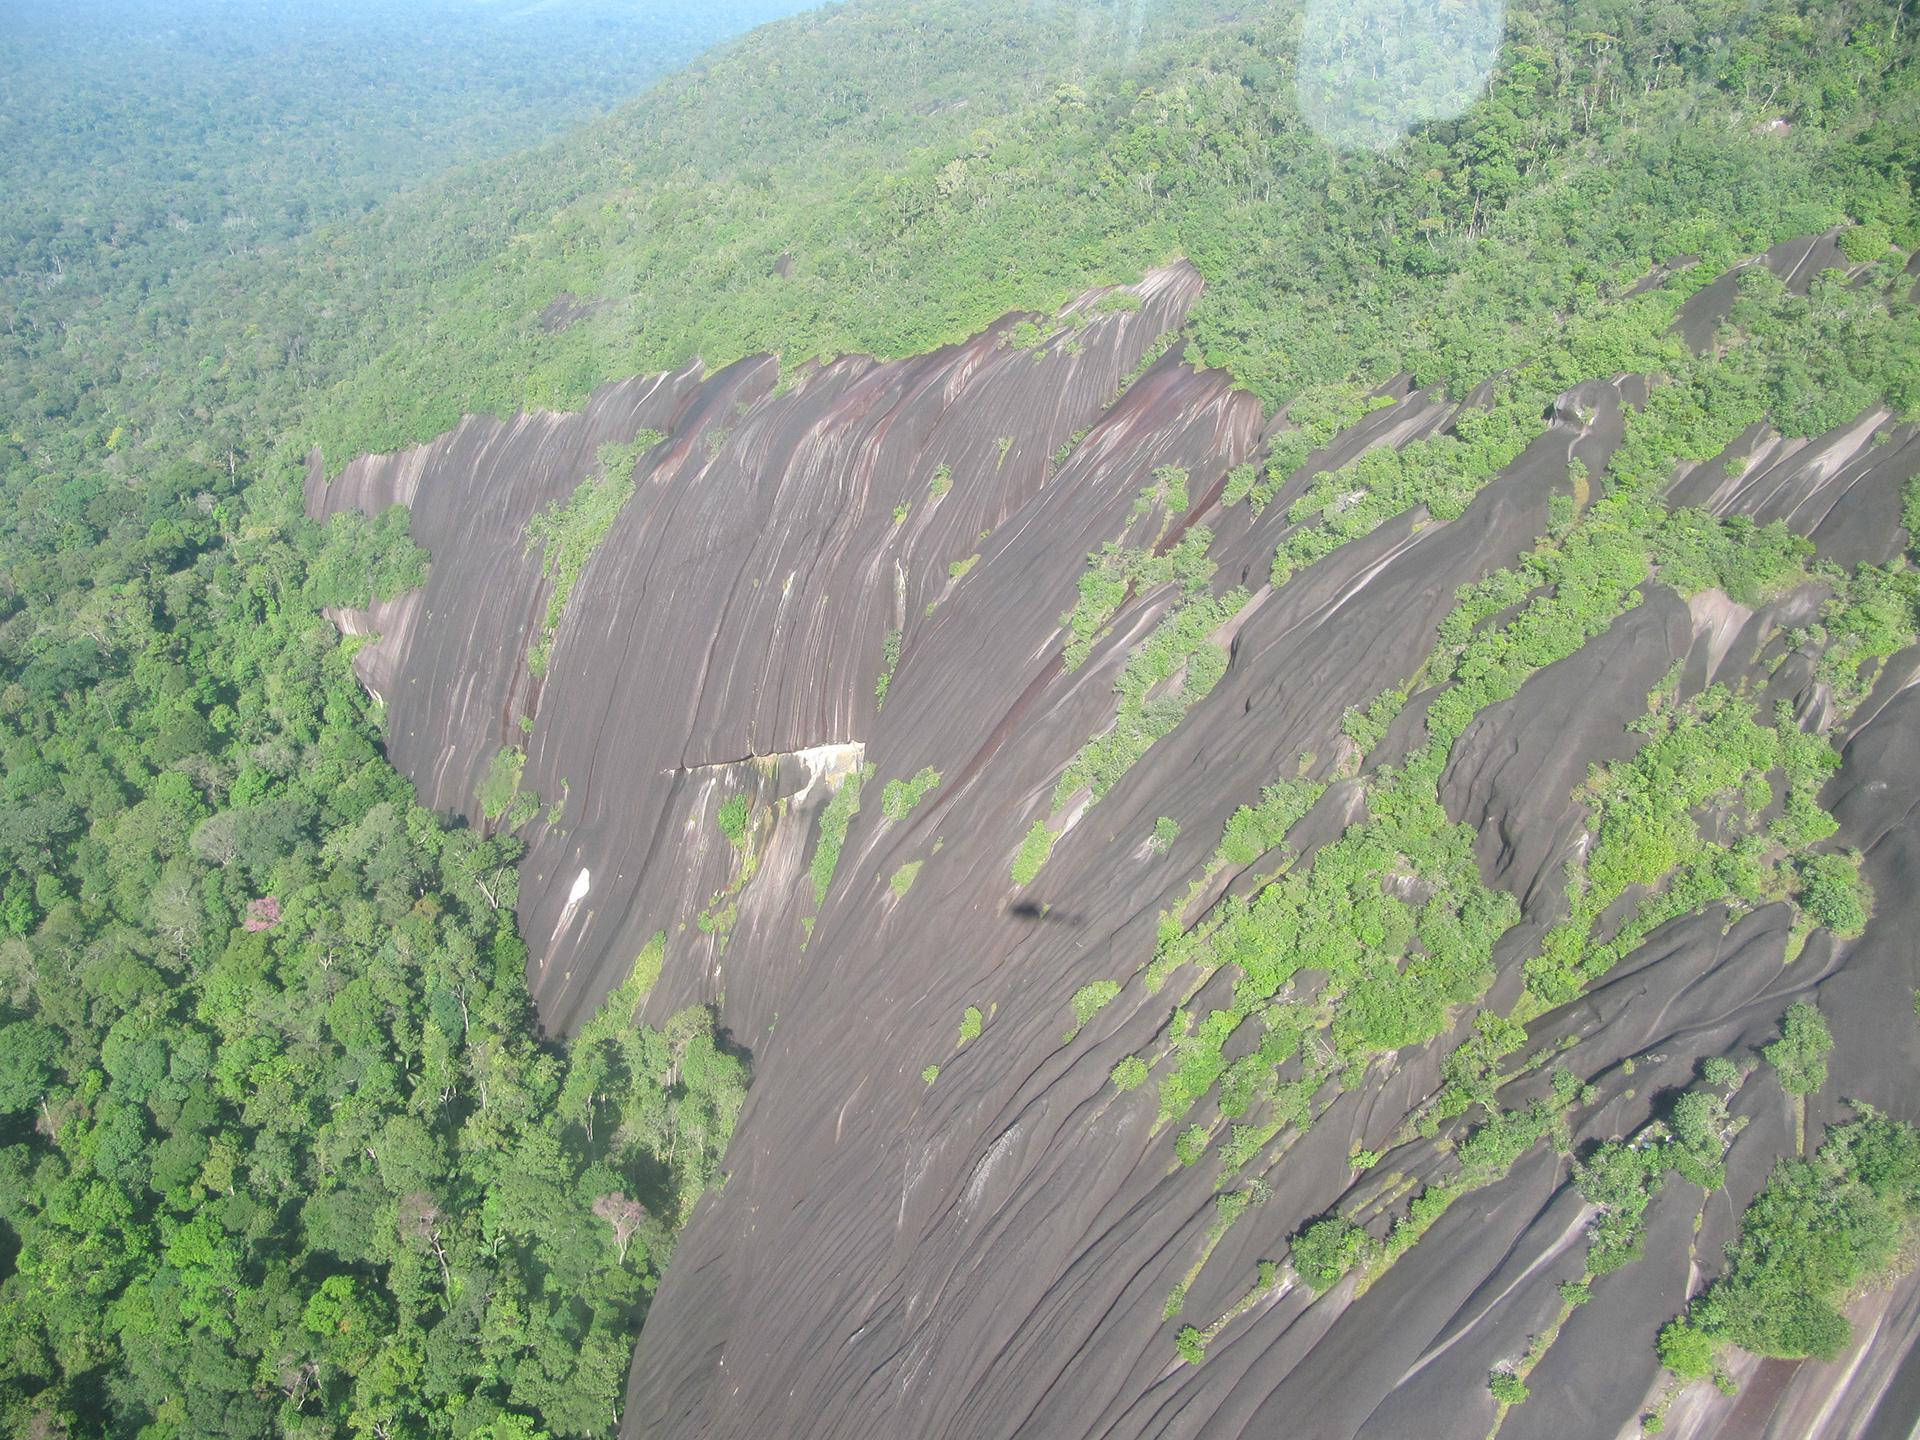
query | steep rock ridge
[991, 1251]
[738, 607]
[1841, 490]
[1039, 1319]
[1033, 1293]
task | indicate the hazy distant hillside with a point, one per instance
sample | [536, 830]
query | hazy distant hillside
[260, 119]
[160, 157]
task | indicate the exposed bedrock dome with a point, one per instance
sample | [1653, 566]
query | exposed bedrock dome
[942, 1223]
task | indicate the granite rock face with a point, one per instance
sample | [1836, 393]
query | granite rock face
[990, 1254]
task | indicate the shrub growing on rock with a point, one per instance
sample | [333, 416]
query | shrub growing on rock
[1327, 1249]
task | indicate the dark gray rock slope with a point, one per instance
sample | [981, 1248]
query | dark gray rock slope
[989, 1254]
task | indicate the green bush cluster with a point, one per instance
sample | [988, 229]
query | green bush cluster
[1696, 551]
[364, 558]
[1507, 1387]
[1442, 473]
[568, 532]
[732, 819]
[500, 786]
[1392, 969]
[1327, 1249]
[1817, 1231]
[1117, 569]
[1167, 493]
[1807, 762]
[900, 796]
[1089, 1000]
[1470, 1071]
[1800, 1054]
[1485, 1156]
[1368, 727]
[834, 820]
[1833, 353]
[890, 652]
[1578, 587]
[571, 530]
[1622, 1180]
[1874, 613]
[1698, 1125]
[1710, 749]
[1035, 847]
[1253, 830]
[1865, 242]
[1314, 416]
[1832, 892]
[1490, 1149]
[1178, 650]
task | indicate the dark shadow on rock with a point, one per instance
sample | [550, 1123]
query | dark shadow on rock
[1036, 913]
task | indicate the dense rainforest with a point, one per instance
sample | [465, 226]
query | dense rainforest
[275, 1115]
[283, 1146]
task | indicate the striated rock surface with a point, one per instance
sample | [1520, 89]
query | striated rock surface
[739, 608]
[989, 1254]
